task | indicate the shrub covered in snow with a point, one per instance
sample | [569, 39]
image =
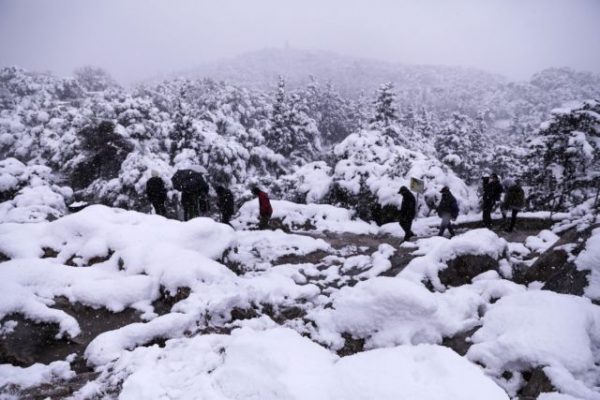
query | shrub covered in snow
[28, 194]
[370, 169]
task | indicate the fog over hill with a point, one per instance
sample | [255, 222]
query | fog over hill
[261, 68]
[410, 212]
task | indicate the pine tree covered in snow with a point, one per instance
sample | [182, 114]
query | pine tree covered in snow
[564, 158]
[333, 114]
[292, 132]
[278, 136]
[385, 114]
[460, 145]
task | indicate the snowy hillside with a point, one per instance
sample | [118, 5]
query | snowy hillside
[101, 298]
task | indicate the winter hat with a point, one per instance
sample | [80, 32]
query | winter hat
[445, 189]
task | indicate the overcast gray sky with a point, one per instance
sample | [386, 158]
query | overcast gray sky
[135, 39]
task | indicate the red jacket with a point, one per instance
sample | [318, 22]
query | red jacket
[264, 205]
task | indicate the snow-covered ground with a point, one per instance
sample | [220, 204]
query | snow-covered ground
[273, 329]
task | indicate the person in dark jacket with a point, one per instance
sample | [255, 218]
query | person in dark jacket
[514, 200]
[447, 210]
[264, 207]
[190, 182]
[157, 194]
[492, 191]
[189, 202]
[203, 190]
[408, 211]
[225, 199]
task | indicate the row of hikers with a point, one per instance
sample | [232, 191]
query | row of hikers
[195, 196]
[447, 209]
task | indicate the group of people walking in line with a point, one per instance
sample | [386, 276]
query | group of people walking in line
[447, 208]
[195, 201]
[195, 197]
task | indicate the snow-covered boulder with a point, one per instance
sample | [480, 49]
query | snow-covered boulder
[560, 333]
[456, 261]
[278, 363]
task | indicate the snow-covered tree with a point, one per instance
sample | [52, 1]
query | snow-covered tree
[564, 158]
[385, 113]
[94, 79]
[460, 145]
[291, 132]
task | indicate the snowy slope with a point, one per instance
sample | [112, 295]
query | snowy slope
[239, 326]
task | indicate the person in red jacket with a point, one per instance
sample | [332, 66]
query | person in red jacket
[264, 207]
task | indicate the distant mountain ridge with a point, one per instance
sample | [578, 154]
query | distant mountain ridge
[260, 69]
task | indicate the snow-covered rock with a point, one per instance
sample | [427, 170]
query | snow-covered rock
[280, 364]
[542, 328]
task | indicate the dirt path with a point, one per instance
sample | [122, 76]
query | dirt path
[368, 244]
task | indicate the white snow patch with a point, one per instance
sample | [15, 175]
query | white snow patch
[280, 364]
[589, 259]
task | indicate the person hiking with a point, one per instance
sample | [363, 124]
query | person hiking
[264, 207]
[492, 192]
[157, 194]
[203, 190]
[514, 201]
[408, 211]
[447, 210]
[225, 203]
[191, 184]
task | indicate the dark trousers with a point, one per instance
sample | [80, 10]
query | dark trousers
[263, 221]
[513, 220]
[190, 206]
[226, 217]
[159, 208]
[446, 223]
[487, 209]
[406, 225]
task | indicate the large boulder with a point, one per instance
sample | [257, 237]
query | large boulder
[462, 269]
[556, 267]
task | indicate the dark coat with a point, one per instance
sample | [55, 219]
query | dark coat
[515, 198]
[492, 192]
[155, 190]
[191, 182]
[408, 209]
[225, 198]
[448, 205]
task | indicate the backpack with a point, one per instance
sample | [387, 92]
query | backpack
[454, 209]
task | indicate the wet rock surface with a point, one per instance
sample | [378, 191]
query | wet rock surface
[462, 269]
[351, 346]
[536, 383]
[461, 342]
[556, 267]
[32, 342]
